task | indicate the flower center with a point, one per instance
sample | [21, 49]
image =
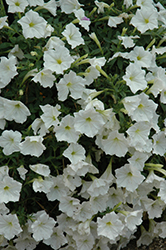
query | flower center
[69, 84]
[88, 119]
[17, 4]
[146, 20]
[59, 61]
[6, 188]
[31, 24]
[67, 128]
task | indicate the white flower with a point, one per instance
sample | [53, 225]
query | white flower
[135, 77]
[10, 141]
[73, 36]
[43, 226]
[57, 60]
[33, 25]
[45, 77]
[98, 187]
[101, 6]
[162, 192]
[57, 239]
[3, 21]
[75, 153]
[66, 131]
[109, 226]
[8, 70]
[57, 189]
[128, 177]
[35, 2]
[9, 190]
[15, 110]
[133, 219]
[42, 185]
[68, 6]
[32, 146]
[159, 144]
[88, 122]
[138, 160]
[127, 41]
[9, 226]
[51, 6]
[70, 82]
[16, 5]
[22, 172]
[116, 144]
[83, 20]
[17, 52]
[145, 19]
[50, 115]
[114, 20]
[39, 127]
[141, 57]
[54, 42]
[41, 169]
[69, 205]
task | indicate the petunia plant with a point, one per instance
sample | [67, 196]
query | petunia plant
[82, 123]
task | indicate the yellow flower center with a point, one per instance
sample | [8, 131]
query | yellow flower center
[59, 61]
[31, 24]
[88, 119]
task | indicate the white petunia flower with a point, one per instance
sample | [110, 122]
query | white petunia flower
[114, 20]
[50, 115]
[69, 205]
[3, 21]
[22, 172]
[35, 2]
[32, 146]
[88, 122]
[128, 177]
[9, 190]
[135, 77]
[57, 239]
[66, 131]
[33, 25]
[17, 52]
[70, 83]
[159, 143]
[16, 5]
[141, 57]
[109, 226]
[145, 19]
[15, 110]
[41, 169]
[45, 78]
[39, 127]
[83, 20]
[68, 6]
[9, 226]
[42, 185]
[42, 227]
[75, 153]
[10, 141]
[73, 35]
[8, 70]
[57, 60]
[101, 6]
[116, 144]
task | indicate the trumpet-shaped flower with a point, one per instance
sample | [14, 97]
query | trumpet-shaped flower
[109, 226]
[70, 83]
[35, 2]
[10, 141]
[41, 169]
[159, 144]
[116, 144]
[50, 115]
[3, 21]
[66, 131]
[42, 185]
[145, 19]
[114, 20]
[128, 177]
[135, 77]
[8, 70]
[142, 57]
[16, 5]
[45, 78]
[75, 153]
[9, 190]
[57, 239]
[32, 146]
[73, 36]
[42, 227]
[15, 110]
[33, 25]
[57, 60]
[68, 6]
[9, 226]
[83, 20]
[88, 122]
